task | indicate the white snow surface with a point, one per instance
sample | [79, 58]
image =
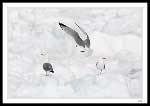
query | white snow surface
[115, 33]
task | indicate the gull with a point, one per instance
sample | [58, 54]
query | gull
[75, 35]
[47, 67]
[100, 65]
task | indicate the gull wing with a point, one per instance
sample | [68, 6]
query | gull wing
[73, 34]
[87, 40]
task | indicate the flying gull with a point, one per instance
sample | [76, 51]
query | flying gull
[75, 35]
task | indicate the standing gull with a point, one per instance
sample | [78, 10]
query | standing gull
[47, 67]
[100, 65]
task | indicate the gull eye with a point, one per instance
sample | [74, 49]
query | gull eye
[82, 51]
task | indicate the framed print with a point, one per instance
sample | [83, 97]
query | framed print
[74, 52]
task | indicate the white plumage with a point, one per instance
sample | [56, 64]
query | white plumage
[100, 64]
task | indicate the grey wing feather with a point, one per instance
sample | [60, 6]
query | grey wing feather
[87, 41]
[73, 34]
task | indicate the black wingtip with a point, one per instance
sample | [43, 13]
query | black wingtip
[61, 24]
[52, 71]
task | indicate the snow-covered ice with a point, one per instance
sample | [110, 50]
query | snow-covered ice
[115, 33]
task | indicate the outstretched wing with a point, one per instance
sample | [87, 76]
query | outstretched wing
[73, 34]
[87, 40]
